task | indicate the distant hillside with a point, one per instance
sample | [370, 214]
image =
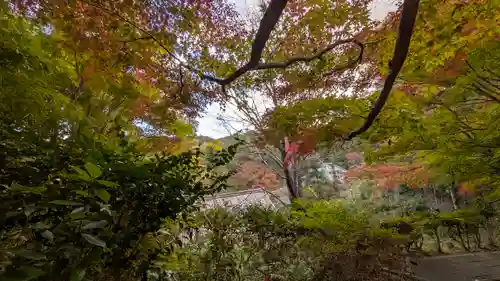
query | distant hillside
[243, 155]
[204, 139]
[229, 140]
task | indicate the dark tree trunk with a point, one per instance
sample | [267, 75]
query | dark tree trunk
[289, 174]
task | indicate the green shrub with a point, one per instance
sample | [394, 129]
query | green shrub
[314, 240]
[94, 213]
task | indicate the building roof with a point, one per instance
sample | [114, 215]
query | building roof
[239, 198]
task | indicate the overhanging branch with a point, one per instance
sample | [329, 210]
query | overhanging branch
[405, 31]
[320, 54]
[266, 26]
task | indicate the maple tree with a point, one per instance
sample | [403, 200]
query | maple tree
[443, 79]
[139, 22]
[391, 176]
[274, 11]
[82, 182]
[419, 71]
[96, 95]
[255, 175]
[109, 39]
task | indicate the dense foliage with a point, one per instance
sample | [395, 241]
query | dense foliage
[101, 171]
[313, 240]
[80, 197]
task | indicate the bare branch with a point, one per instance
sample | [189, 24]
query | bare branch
[269, 166]
[406, 24]
[251, 66]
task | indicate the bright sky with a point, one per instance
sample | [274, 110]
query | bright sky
[210, 125]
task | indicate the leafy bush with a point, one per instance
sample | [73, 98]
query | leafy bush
[80, 196]
[314, 240]
[469, 229]
[93, 213]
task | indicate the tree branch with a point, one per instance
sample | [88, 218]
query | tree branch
[148, 37]
[406, 24]
[480, 90]
[316, 56]
[485, 79]
[266, 26]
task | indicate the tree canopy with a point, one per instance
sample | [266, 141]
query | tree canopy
[101, 169]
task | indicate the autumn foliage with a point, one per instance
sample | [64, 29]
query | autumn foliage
[253, 174]
[390, 176]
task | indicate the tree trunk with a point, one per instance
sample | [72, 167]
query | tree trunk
[438, 240]
[289, 184]
[452, 196]
[289, 177]
[54, 143]
[434, 194]
[491, 231]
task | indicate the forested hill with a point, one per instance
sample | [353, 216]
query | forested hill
[228, 140]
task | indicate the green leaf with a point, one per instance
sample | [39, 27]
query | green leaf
[66, 203]
[29, 210]
[181, 129]
[23, 273]
[31, 255]
[83, 193]
[93, 170]
[78, 215]
[29, 189]
[103, 194]
[77, 274]
[48, 235]
[82, 174]
[94, 240]
[107, 183]
[93, 255]
[78, 210]
[95, 224]
[40, 225]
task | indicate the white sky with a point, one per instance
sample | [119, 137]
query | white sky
[210, 125]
